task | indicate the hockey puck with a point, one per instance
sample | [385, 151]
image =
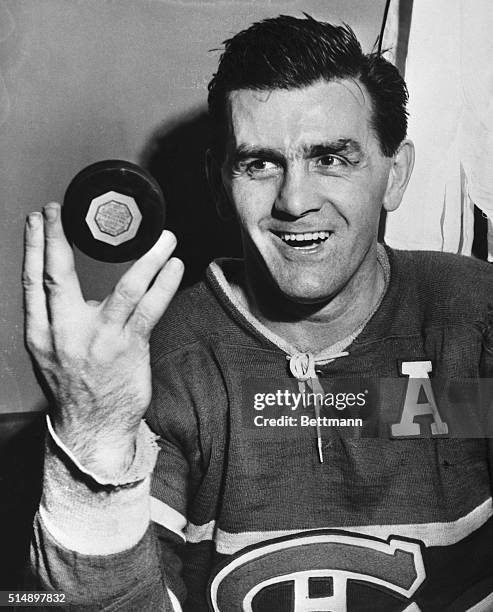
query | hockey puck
[113, 211]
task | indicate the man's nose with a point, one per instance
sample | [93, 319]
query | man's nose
[296, 196]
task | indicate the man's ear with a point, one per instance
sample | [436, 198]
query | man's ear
[399, 175]
[215, 180]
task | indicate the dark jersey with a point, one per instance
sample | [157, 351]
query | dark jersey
[399, 514]
[259, 505]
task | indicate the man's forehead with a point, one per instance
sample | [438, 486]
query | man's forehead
[322, 111]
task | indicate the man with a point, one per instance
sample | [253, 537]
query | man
[310, 146]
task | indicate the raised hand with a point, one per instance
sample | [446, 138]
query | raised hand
[94, 357]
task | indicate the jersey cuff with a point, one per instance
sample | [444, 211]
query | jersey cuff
[89, 514]
[146, 451]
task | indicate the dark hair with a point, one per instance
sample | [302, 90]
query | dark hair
[287, 52]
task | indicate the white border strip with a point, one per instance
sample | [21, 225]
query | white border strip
[174, 601]
[168, 517]
[431, 534]
[485, 605]
[201, 533]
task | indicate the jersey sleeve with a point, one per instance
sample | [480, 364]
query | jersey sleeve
[127, 581]
[179, 467]
[93, 540]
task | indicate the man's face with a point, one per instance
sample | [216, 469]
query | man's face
[305, 174]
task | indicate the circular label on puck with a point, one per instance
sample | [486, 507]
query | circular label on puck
[113, 218]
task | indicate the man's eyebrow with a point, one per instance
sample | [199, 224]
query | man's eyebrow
[244, 151]
[341, 146]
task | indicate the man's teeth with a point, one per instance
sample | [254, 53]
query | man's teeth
[306, 237]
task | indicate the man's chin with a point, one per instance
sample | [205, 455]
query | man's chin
[304, 293]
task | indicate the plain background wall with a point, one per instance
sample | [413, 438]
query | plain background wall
[85, 80]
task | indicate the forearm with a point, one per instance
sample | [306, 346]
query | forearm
[128, 581]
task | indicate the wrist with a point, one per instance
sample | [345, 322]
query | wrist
[111, 461]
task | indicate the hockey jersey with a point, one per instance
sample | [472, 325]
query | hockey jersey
[398, 516]
[383, 506]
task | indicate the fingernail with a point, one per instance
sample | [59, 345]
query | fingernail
[169, 236]
[51, 212]
[175, 263]
[33, 220]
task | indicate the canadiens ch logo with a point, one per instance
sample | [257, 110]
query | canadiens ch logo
[319, 571]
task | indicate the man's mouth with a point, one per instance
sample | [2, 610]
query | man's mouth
[305, 240]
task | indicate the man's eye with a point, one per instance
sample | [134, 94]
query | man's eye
[330, 161]
[262, 168]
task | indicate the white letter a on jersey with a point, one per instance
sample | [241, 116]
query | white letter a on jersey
[418, 379]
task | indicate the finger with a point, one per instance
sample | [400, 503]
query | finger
[35, 313]
[154, 303]
[60, 279]
[134, 283]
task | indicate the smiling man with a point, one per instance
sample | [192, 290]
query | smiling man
[307, 177]
[206, 510]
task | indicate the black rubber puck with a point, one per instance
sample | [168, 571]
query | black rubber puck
[113, 211]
